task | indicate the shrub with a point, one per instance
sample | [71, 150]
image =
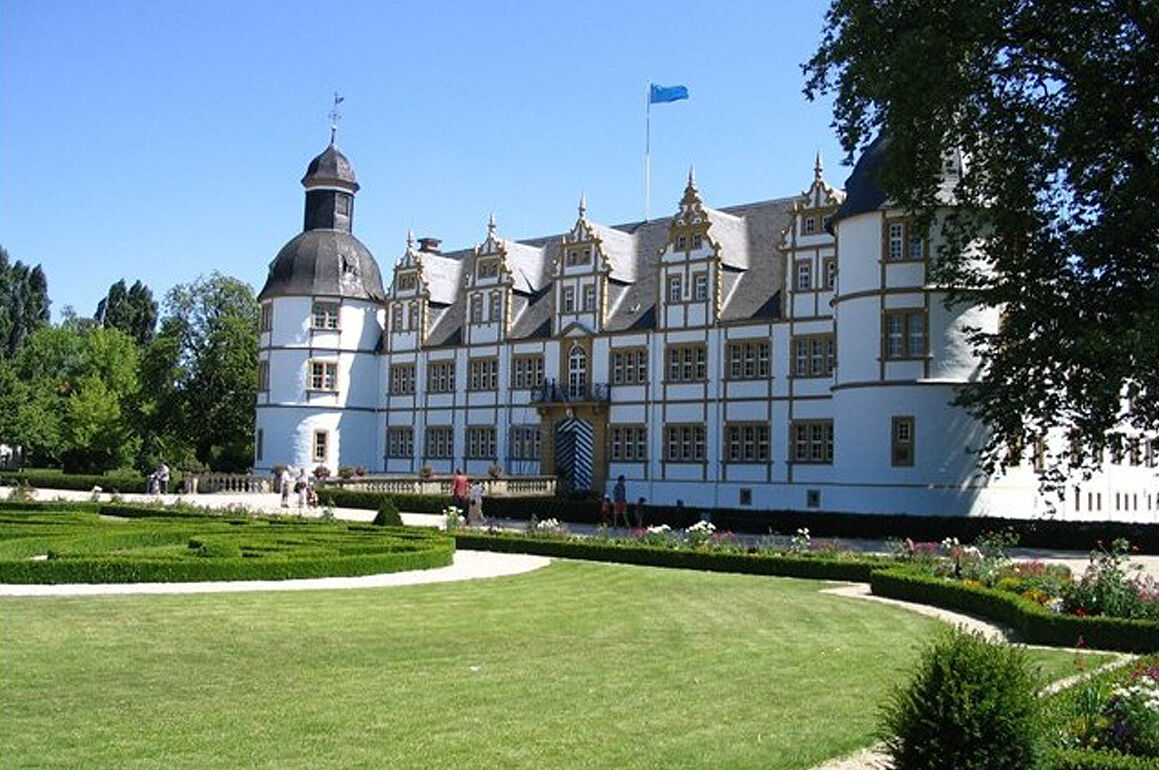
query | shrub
[1100, 760]
[387, 515]
[1106, 589]
[346, 472]
[321, 472]
[972, 705]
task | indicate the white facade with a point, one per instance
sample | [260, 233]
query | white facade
[752, 357]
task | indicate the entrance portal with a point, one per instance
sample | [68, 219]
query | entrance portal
[573, 455]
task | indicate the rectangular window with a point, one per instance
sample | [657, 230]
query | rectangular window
[476, 308]
[400, 442]
[630, 367]
[396, 318]
[487, 268]
[829, 273]
[323, 375]
[440, 443]
[814, 356]
[441, 376]
[746, 442]
[902, 242]
[811, 441]
[526, 372]
[682, 243]
[808, 225]
[483, 374]
[267, 316]
[325, 315]
[697, 241]
[321, 445]
[687, 363]
[481, 442]
[569, 299]
[902, 443]
[413, 316]
[579, 256]
[804, 273]
[402, 379]
[495, 308]
[675, 288]
[684, 443]
[525, 442]
[904, 334]
[259, 441]
[629, 443]
[700, 286]
[748, 360]
[263, 376]
[589, 297]
[406, 281]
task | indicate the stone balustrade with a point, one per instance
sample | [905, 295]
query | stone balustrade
[239, 483]
[515, 486]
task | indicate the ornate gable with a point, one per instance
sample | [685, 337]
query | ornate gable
[581, 246]
[689, 228]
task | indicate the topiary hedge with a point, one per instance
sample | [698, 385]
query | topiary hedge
[815, 567]
[47, 478]
[81, 547]
[1033, 622]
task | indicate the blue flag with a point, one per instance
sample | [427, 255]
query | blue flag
[661, 94]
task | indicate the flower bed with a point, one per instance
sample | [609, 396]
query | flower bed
[1110, 721]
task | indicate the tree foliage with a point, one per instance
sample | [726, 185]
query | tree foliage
[132, 310]
[23, 303]
[1054, 107]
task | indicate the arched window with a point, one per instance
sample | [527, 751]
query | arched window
[577, 372]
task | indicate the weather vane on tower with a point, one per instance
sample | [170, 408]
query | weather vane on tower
[335, 116]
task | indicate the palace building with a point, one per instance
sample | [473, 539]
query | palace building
[785, 354]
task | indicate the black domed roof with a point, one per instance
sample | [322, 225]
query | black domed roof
[329, 263]
[331, 167]
[863, 191]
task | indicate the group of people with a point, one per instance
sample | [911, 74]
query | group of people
[467, 495]
[617, 506]
[157, 482]
[301, 485]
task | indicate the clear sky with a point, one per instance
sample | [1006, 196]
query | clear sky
[164, 139]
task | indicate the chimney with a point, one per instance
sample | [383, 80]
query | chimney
[429, 245]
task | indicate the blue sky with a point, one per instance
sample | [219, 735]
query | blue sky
[163, 140]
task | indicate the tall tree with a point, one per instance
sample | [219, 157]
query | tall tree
[1054, 107]
[23, 303]
[132, 310]
[210, 337]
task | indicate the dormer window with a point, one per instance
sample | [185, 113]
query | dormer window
[476, 308]
[589, 297]
[406, 281]
[569, 299]
[325, 315]
[579, 256]
[682, 243]
[487, 268]
[809, 225]
[697, 241]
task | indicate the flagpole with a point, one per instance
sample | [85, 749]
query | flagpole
[647, 145]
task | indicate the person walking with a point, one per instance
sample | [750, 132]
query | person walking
[475, 504]
[163, 478]
[460, 488]
[285, 481]
[620, 503]
[302, 487]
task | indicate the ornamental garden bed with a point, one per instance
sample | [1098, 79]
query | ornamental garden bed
[121, 544]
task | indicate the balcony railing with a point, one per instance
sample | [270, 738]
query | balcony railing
[508, 486]
[553, 392]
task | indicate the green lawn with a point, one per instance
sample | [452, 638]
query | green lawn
[574, 666]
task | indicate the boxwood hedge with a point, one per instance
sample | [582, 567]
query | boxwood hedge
[1033, 622]
[819, 567]
[1100, 760]
[81, 547]
[47, 478]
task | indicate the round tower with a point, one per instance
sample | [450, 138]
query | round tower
[322, 316]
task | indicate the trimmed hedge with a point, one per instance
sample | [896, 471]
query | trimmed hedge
[1032, 533]
[1072, 759]
[812, 567]
[69, 506]
[177, 546]
[1033, 622]
[53, 479]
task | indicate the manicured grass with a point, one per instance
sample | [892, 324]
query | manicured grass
[576, 665]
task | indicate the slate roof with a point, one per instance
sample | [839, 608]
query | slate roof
[329, 263]
[330, 167]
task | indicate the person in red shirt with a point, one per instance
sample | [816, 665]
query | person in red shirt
[460, 488]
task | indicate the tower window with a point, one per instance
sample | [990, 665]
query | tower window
[902, 444]
[267, 316]
[323, 375]
[321, 445]
[325, 315]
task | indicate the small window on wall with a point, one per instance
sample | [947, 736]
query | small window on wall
[902, 445]
[477, 308]
[406, 281]
[396, 318]
[809, 225]
[259, 440]
[495, 307]
[263, 376]
[323, 375]
[675, 289]
[681, 243]
[904, 334]
[804, 276]
[267, 316]
[342, 204]
[321, 445]
[829, 273]
[700, 286]
[589, 297]
[325, 315]
[413, 316]
[569, 299]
